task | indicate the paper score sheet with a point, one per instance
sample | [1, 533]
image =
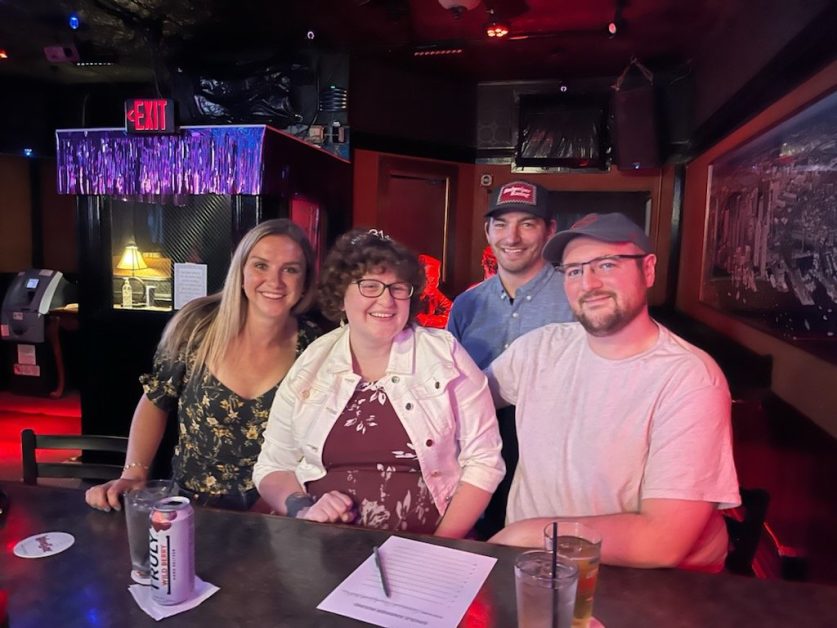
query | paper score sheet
[429, 585]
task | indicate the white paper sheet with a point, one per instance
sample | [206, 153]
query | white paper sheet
[429, 586]
[142, 596]
[189, 283]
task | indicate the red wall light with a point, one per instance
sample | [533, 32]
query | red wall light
[3, 54]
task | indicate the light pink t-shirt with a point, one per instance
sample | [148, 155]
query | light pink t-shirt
[597, 436]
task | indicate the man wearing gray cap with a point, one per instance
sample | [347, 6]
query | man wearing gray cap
[621, 424]
[526, 293]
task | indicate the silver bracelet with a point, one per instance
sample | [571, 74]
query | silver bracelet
[295, 502]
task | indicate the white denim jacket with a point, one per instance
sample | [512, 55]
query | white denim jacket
[437, 391]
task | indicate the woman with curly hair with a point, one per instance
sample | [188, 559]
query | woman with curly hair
[381, 423]
[218, 365]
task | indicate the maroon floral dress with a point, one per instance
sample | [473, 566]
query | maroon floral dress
[368, 456]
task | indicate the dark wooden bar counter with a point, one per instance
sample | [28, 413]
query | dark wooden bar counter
[273, 571]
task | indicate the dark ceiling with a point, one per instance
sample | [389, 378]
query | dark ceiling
[548, 38]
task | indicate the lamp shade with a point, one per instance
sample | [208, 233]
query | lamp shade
[131, 258]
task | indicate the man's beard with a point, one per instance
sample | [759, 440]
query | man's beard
[607, 322]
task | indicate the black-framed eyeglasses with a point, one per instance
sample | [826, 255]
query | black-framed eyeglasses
[599, 265]
[372, 288]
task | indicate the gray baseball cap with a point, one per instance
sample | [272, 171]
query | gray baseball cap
[606, 227]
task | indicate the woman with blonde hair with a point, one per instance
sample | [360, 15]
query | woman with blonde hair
[219, 363]
[381, 423]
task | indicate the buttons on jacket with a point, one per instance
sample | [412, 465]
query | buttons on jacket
[409, 406]
[395, 379]
[514, 315]
[429, 442]
[306, 393]
[435, 474]
[437, 385]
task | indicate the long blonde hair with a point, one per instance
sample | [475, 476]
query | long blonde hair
[209, 324]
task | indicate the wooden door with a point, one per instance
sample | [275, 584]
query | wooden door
[416, 207]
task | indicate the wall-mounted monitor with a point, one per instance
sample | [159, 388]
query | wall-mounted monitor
[562, 131]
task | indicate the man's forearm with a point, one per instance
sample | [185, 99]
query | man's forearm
[661, 536]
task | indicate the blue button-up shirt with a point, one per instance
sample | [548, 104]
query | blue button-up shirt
[485, 321]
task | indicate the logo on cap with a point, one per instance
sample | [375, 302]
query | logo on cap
[518, 193]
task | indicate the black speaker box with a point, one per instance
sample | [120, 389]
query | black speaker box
[677, 111]
[636, 139]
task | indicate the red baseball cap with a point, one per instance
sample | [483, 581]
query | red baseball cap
[520, 196]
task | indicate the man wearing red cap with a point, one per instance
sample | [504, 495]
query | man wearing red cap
[525, 294]
[621, 424]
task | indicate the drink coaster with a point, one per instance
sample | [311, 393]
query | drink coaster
[43, 544]
[137, 577]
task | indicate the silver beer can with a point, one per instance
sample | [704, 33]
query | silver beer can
[171, 550]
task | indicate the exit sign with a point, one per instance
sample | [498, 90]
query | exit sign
[149, 115]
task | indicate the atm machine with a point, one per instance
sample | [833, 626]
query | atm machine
[28, 357]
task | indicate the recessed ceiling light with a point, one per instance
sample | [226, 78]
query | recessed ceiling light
[496, 29]
[3, 54]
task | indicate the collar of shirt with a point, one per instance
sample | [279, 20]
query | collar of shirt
[531, 287]
[401, 356]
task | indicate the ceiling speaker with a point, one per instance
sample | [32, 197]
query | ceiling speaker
[636, 129]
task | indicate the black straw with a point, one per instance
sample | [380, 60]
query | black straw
[554, 574]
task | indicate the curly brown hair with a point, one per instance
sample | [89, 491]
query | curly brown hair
[358, 252]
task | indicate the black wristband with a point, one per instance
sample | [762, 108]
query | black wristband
[296, 502]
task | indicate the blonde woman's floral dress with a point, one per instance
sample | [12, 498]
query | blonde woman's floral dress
[368, 456]
[219, 432]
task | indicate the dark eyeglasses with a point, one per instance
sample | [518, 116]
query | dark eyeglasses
[372, 288]
[599, 265]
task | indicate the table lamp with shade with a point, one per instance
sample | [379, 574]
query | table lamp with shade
[133, 261]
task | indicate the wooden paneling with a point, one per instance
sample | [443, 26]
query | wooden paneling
[15, 215]
[58, 220]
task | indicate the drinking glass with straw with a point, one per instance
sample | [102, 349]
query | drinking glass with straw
[555, 575]
[545, 586]
[582, 545]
